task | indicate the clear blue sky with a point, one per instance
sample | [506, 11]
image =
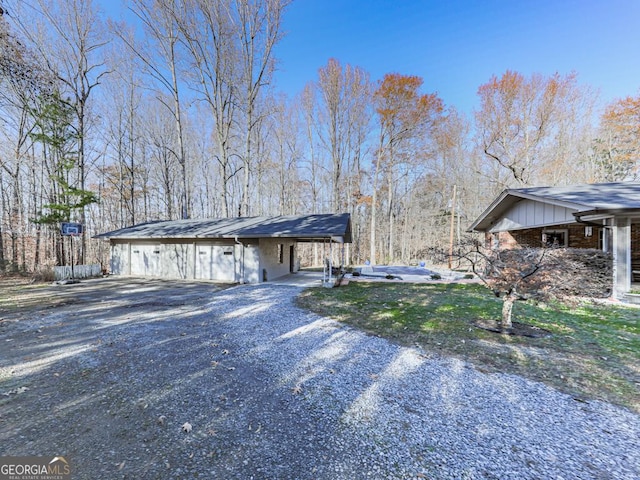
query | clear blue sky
[457, 45]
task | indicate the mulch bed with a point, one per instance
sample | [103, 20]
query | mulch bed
[517, 329]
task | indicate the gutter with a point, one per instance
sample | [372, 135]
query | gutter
[577, 216]
[604, 211]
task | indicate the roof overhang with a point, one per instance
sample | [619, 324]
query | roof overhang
[303, 228]
[508, 198]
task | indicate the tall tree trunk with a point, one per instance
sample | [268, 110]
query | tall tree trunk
[2, 210]
[180, 134]
[374, 201]
[390, 199]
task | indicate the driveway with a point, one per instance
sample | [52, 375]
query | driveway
[108, 373]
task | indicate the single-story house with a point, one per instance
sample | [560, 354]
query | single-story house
[238, 250]
[602, 215]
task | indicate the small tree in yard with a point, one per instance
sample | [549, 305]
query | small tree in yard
[512, 275]
[539, 273]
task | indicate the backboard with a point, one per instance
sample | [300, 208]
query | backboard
[71, 229]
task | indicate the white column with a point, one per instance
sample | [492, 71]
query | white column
[621, 257]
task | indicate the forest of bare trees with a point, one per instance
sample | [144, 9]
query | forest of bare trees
[174, 113]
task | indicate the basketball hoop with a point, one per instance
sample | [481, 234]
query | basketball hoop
[68, 229]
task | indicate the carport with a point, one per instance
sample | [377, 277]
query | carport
[234, 250]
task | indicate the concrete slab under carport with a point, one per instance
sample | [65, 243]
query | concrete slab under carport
[304, 279]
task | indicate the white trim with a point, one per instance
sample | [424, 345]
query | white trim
[564, 231]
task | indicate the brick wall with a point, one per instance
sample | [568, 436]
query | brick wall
[532, 237]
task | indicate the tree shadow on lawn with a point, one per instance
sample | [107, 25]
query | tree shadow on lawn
[517, 329]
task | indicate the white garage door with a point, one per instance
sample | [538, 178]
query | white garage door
[215, 262]
[145, 260]
[204, 266]
[224, 266]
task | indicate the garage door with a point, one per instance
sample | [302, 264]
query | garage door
[224, 266]
[145, 260]
[215, 262]
[204, 262]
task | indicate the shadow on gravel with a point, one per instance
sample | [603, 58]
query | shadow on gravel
[111, 374]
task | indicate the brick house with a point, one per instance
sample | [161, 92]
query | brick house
[605, 216]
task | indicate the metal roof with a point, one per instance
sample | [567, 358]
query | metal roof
[316, 227]
[585, 199]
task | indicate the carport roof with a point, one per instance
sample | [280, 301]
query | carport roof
[318, 227]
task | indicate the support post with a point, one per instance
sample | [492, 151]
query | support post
[621, 257]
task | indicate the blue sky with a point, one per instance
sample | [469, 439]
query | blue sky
[457, 45]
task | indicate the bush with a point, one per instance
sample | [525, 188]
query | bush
[579, 272]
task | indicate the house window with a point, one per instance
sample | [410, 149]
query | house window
[555, 238]
[280, 253]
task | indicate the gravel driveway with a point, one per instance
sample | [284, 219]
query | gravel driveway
[275, 392]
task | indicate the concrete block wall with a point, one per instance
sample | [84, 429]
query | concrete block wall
[269, 258]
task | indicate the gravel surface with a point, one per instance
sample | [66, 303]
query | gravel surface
[274, 392]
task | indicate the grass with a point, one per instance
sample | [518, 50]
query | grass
[593, 351]
[18, 293]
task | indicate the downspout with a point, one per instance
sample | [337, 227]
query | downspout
[238, 242]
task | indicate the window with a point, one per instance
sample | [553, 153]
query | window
[280, 253]
[555, 238]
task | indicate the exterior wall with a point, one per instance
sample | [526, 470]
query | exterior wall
[177, 259]
[248, 262]
[269, 259]
[217, 260]
[532, 237]
[635, 252]
[533, 213]
[119, 261]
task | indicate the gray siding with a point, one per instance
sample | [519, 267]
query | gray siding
[532, 214]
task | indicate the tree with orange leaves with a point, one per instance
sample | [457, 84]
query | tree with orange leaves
[524, 123]
[616, 151]
[405, 119]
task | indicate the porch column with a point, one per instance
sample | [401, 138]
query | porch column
[621, 257]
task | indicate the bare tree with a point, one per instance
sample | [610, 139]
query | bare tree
[70, 41]
[160, 57]
[22, 80]
[343, 123]
[258, 29]
[210, 40]
[528, 126]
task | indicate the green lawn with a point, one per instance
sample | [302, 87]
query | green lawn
[593, 351]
